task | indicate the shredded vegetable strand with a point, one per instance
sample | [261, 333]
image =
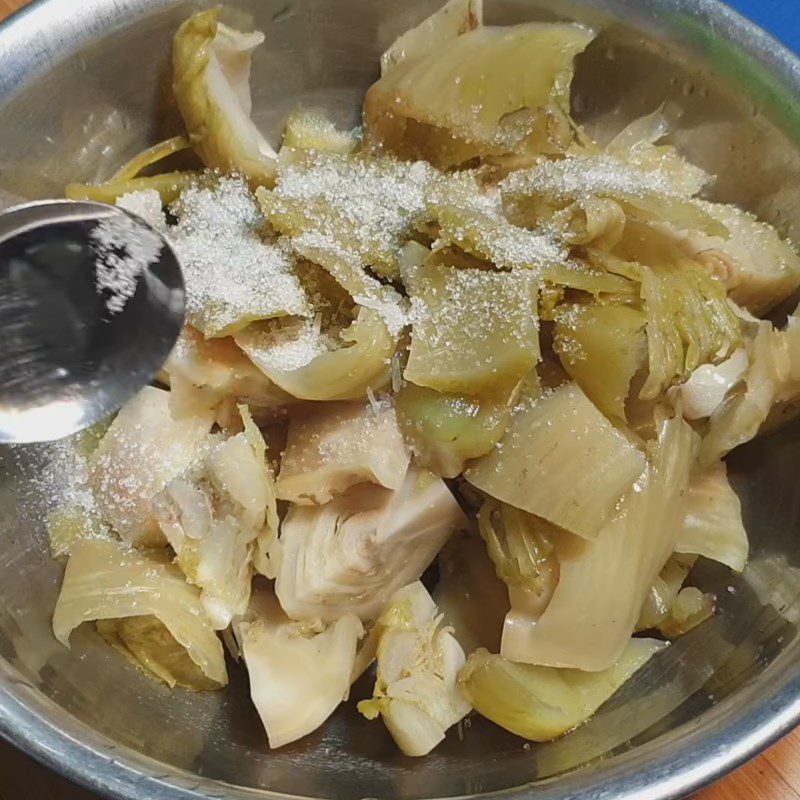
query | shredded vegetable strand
[147, 158]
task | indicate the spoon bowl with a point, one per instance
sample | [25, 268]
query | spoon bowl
[87, 321]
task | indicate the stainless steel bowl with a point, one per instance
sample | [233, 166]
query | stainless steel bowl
[83, 85]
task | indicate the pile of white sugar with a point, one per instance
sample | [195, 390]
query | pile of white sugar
[232, 276]
[587, 176]
[371, 205]
[284, 347]
[124, 248]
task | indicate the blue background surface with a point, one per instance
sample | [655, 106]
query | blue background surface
[780, 17]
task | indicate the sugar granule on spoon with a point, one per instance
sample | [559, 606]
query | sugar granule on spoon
[124, 248]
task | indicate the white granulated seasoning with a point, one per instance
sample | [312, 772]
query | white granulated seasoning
[369, 203]
[586, 176]
[231, 275]
[124, 248]
[570, 320]
[324, 249]
[359, 432]
[143, 450]
[296, 353]
[391, 307]
[146, 203]
[285, 348]
[463, 190]
[510, 246]
[345, 267]
[471, 326]
[486, 200]
[473, 218]
[61, 476]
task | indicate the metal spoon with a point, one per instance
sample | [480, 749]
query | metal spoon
[78, 339]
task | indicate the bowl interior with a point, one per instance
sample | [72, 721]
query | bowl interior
[95, 92]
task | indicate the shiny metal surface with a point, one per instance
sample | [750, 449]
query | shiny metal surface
[67, 361]
[91, 80]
